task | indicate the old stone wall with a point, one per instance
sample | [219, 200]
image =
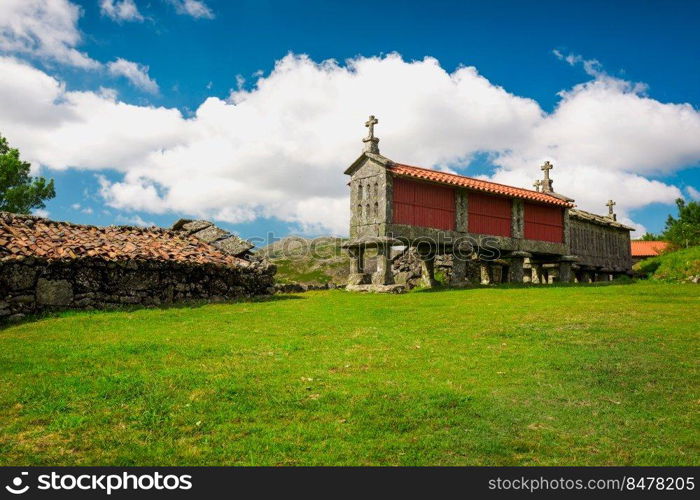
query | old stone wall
[32, 285]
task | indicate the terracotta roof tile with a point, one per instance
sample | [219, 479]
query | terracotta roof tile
[648, 248]
[475, 184]
[27, 236]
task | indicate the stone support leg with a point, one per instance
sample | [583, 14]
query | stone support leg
[496, 273]
[357, 266]
[536, 274]
[427, 265]
[459, 272]
[565, 264]
[485, 271]
[384, 275]
[516, 271]
[565, 272]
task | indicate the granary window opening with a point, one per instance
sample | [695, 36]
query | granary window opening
[359, 191]
[359, 212]
[376, 189]
[367, 213]
[375, 212]
[544, 223]
[423, 204]
[489, 214]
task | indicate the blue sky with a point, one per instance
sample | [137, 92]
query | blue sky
[202, 54]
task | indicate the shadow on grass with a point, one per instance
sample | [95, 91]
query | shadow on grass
[191, 304]
[509, 286]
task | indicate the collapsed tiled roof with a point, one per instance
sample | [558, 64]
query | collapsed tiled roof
[28, 236]
[475, 184]
[648, 248]
[207, 232]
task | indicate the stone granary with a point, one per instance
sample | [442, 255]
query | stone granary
[48, 265]
[526, 235]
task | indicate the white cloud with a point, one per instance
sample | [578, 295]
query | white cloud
[40, 212]
[592, 67]
[48, 30]
[133, 220]
[87, 130]
[278, 149]
[124, 10]
[195, 8]
[79, 208]
[43, 28]
[693, 193]
[137, 74]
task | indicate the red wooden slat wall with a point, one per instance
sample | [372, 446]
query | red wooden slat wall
[422, 204]
[489, 214]
[544, 223]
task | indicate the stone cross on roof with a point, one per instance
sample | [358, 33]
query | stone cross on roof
[370, 125]
[371, 142]
[610, 204]
[547, 182]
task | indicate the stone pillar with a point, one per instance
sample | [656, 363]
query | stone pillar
[565, 272]
[496, 273]
[517, 221]
[384, 275]
[461, 211]
[459, 272]
[552, 276]
[516, 271]
[565, 268]
[427, 266]
[357, 266]
[536, 273]
[485, 272]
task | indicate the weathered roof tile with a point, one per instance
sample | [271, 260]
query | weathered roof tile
[27, 236]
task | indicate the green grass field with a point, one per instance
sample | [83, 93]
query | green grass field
[578, 375]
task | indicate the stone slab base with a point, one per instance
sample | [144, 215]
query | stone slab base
[377, 288]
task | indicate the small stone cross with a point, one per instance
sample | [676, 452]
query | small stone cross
[547, 182]
[537, 185]
[610, 204]
[370, 125]
[546, 168]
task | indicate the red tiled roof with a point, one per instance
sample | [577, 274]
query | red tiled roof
[648, 248]
[476, 184]
[26, 236]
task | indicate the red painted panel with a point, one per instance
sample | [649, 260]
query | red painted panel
[422, 204]
[544, 223]
[489, 214]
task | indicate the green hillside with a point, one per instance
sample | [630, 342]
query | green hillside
[678, 266]
[314, 261]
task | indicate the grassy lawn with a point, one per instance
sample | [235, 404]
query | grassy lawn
[587, 375]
